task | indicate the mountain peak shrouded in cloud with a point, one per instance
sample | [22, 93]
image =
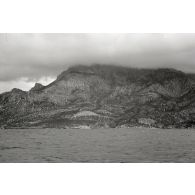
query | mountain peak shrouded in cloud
[102, 96]
[38, 57]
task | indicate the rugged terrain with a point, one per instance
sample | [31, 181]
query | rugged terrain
[104, 96]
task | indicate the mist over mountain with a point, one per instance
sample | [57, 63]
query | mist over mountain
[26, 58]
[104, 96]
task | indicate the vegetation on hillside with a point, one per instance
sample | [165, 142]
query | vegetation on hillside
[110, 96]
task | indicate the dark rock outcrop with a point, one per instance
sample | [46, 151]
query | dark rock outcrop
[104, 96]
[37, 87]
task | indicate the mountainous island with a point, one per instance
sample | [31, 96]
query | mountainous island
[100, 96]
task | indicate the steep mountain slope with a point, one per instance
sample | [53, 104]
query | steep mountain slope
[104, 96]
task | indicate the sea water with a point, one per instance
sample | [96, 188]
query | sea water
[97, 145]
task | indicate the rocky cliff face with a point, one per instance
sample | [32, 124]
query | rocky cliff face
[104, 96]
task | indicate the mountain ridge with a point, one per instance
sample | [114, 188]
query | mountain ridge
[104, 96]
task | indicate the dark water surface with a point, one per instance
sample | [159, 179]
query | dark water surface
[97, 145]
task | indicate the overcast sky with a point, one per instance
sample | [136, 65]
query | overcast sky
[29, 58]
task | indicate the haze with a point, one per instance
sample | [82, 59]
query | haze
[29, 58]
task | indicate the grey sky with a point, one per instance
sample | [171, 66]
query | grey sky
[28, 58]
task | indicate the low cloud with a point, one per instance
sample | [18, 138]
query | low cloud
[38, 56]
